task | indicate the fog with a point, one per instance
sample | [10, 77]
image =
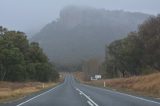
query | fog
[81, 32]
[31, 15]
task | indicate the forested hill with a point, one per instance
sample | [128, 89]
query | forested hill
[82, 32]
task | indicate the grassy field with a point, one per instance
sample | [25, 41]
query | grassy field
[10, 91]
[148, 85]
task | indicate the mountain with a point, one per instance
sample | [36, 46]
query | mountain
[81, 33]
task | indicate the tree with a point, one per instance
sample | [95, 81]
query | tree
[39, 67]
[45, 72]
[138, 52]
[149, 33]
[21, 60]
[125, 55]
[35, 54]
[19, 40]
[9, 58]
[2, 30]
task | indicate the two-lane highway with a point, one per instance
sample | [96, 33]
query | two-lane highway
[72, 93]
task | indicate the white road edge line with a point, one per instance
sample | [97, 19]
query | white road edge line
[136, 97]
[90, 103]
[87, 97]
[39, 95]
[140, 98]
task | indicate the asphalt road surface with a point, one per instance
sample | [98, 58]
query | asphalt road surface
[72, 93]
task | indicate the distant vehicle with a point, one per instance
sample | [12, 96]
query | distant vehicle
[96, 77]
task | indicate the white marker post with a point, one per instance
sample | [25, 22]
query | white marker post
[104, 84]
[43, 85]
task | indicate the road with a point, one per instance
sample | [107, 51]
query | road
[72, 93]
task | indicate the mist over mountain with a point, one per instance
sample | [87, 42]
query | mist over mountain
[81, 33]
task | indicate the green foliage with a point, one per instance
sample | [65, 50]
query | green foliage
[138, 51]
[21, 61]
[35, 54]
[47, 75]
[149, 33]
[17, 73]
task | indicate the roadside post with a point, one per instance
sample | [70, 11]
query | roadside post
[43, 85]
[104, 84]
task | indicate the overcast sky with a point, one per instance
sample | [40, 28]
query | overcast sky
[30, 15]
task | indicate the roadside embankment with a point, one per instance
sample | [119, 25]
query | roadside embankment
[10, 91]
[148, 85]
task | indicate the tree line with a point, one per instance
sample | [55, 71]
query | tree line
[137, 54]
[23, 61]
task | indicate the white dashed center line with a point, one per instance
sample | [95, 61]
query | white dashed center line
[90, 101]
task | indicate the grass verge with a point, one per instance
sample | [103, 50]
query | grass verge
[148, 85]
[11, 91]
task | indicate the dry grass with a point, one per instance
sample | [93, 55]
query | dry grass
[145, 85]
[10, 90]
[149, 84]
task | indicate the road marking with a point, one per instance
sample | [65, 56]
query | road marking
[135, 97]
[39, 95]
[140, 98]
[90, 100]
[90, 103]
[80, 93]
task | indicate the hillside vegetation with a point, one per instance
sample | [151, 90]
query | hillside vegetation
[81, 33]
[136, 54]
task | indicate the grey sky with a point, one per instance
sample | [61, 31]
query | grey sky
[30, 15]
